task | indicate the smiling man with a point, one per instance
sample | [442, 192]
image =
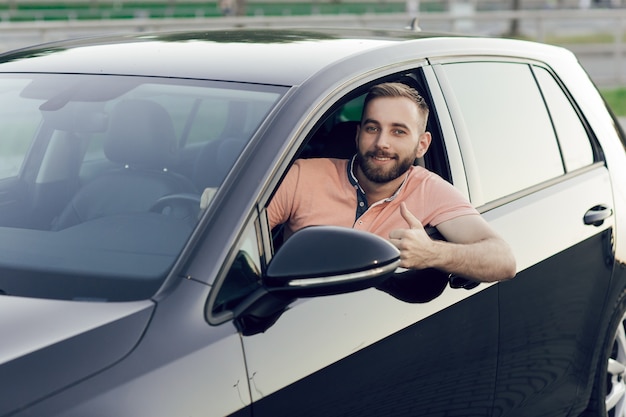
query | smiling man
[381, 191]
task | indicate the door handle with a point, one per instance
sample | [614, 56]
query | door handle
[597, 214]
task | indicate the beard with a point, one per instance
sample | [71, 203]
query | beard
[381, 174]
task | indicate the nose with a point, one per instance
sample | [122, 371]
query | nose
[382, 140]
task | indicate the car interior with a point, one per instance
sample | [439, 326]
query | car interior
[141, 142]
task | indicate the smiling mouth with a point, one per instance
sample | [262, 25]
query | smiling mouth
[381, 158]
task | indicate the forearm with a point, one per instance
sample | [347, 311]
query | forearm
[487, 260]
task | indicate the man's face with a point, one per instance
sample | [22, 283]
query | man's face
[390, 138]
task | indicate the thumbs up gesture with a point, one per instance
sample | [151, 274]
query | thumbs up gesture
[417, 249]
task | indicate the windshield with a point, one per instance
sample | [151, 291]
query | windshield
[103, 178]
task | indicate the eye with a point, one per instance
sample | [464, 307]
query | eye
[399, 132]
[371, 129]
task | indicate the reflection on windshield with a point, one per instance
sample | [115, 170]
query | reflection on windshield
[103, 178]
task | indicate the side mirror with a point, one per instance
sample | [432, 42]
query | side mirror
[325, 260]
[315, 261]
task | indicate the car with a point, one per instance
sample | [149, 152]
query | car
[139, 275]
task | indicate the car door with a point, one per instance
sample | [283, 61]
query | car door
[372, 352]
[368, 353]
[536, 173]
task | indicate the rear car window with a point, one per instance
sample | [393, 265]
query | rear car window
[572, 135]
[498, 101]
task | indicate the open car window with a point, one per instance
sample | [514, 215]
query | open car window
[334, 137]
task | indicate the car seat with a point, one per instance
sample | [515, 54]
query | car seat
[215, 160]
[340, 142]
[142, 141]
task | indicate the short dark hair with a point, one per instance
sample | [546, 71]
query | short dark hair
[398, 89]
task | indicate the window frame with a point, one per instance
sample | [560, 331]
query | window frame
[463, 164]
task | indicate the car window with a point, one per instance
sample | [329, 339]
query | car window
[244, 274]
[572, 135]
[334, 137]
[511, 137]
[118, 170]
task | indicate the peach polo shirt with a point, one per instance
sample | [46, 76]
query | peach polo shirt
[325, 192]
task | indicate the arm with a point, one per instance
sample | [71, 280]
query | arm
[472, 250]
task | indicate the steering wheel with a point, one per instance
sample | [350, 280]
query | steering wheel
[184, 206]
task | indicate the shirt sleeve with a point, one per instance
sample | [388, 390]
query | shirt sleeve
[280, 207]
[447, 202]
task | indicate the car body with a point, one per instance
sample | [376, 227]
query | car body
[139, 275]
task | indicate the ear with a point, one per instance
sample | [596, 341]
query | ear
[358, 133]
[423, 143]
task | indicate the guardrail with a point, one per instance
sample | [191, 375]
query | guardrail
[535, 24]
[550, 26]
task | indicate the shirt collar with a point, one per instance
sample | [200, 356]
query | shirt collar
[351, 177]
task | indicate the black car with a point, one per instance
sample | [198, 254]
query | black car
[139, 275]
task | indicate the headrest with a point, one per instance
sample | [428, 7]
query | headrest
[141, 135]
[341, 140]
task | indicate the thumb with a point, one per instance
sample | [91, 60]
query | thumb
[413, 222]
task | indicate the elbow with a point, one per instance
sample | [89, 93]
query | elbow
[510, 272]
[503, 263]
[505, 274]
[509, 267]
[506, 268]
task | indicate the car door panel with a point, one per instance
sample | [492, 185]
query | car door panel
[545, 352]
[557, 212]
[367, 352]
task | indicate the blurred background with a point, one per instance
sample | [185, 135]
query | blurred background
[595, 30]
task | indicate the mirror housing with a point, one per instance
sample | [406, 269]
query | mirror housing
[324, 260]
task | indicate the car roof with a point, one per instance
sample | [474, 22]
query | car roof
[266, 56]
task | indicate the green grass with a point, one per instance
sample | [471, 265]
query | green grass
[616, 98]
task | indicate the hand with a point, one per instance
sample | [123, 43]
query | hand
[417, 249]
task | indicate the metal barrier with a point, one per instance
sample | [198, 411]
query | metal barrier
[551, 26]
